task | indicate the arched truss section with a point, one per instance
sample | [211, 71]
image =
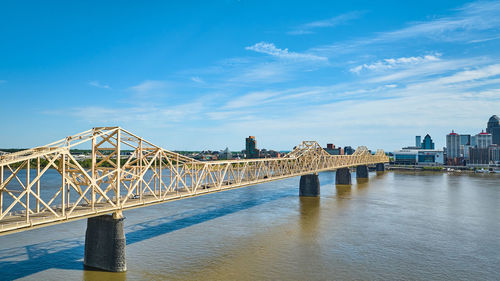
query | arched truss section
[125, 171]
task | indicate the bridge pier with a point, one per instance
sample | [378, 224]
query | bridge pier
[362, 172]
[105, 243]
[380, 167]
[309, 185]
[343, 176]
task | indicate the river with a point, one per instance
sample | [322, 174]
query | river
[395, 226]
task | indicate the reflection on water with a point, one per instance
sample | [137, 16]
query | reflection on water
[91, 275]
[343, 190]
[309, 216]
[396, 225]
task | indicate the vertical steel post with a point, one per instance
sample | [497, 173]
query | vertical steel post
[28, 189]
[38, 185]
[1, 190]
[63, 172]
[139, 171]
[118, 168]
[92, 167]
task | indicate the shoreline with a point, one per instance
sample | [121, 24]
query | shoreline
[456, 169]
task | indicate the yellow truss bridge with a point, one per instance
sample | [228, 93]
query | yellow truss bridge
[149, 175]
[112, 182]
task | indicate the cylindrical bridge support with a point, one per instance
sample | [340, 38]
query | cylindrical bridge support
[362, 172]
[105, 243]
[343, 176]
[380, 167]
[309, 185]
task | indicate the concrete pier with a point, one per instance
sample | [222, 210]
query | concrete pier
[343, 176]
[362, 172]
[309, 185]
[380, 167]
[105, 243]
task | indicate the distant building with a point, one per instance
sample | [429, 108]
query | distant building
[418, 140]
[331, 149]
[493, 128]
[484, 140]
[464, 139]
[251, 150]
[427, 143]
[348, 150]
[478, 156]
[226, 154]
[419, 156]
[453, 147]
[494, 154]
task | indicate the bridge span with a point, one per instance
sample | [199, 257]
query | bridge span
[112, 181]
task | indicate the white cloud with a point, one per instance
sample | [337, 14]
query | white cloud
[271, 49]
[97, 84]
[423, 71]
[197, 79]
[395, 62]
[470, 75]
[251, 99]
[148, 85]
[331, 22]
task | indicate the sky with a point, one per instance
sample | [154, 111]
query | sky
[197, 75]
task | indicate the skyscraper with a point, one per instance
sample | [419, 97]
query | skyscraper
[427, 143]
[483, 140]
[251, 148]
[418, 140]
[493, 128]
[464, 139]
[453, 145]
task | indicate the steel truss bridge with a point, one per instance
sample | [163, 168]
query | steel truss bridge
[111, 182]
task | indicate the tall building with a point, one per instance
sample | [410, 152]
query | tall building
[418, 140]
[251, 148]
[478, 156]
[484, 140]
[464, 139]
[427, 143]
[453, 147]
[494, 153]
[493, 128]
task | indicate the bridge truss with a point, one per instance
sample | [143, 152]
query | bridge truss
[48, 185]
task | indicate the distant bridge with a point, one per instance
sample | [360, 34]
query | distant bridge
[149, 175]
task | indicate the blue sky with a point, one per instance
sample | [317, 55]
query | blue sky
[191, 75]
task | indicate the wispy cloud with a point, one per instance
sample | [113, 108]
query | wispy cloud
[197, 79]
[3, 81]
[309, 28]
[271, 49]
[395, 62]
[251, 99]
[471, 75]
[148, 85]
[97, 84]
[472, 23]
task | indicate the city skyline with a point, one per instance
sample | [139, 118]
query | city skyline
[206, 76]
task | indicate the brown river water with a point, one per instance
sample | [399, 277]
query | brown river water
[395, 226]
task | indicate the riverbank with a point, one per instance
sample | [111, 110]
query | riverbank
[458, 169]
